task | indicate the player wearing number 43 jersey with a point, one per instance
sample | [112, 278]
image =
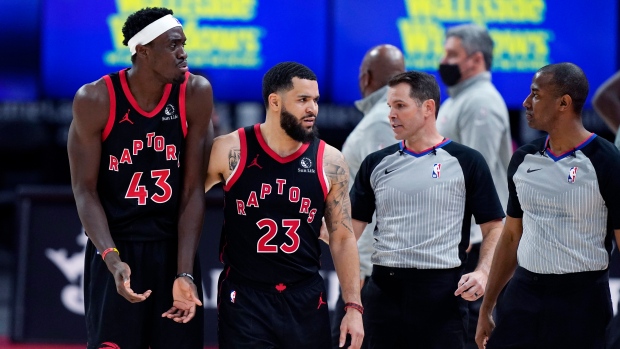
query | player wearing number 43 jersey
[280, 180]
[136, 149]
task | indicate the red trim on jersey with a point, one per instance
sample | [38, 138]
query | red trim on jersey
[272, 153]
[243, 144]
[319, 168]
[134, 103]
[182, 104]
[220, 288]
[112, 114]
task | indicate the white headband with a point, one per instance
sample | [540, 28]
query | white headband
[151, 31]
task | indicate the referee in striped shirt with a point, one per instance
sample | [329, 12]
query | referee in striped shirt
[424, 190]
[563, 211]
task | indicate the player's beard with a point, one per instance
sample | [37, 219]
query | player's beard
[294, 128]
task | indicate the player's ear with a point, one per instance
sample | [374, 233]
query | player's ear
[274, 101]
[141, 50]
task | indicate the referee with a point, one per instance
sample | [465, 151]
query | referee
[563, 210]
[424, 190]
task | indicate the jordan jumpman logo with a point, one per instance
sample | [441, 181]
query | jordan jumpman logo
[321, 302]
[126, 117]
[255, 163]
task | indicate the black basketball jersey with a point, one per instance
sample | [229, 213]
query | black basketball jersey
[273, 210]
[140, 174]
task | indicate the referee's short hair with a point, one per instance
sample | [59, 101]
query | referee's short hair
[423, 86]
[568, 79]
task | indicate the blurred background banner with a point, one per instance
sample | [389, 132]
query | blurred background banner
[232, 42]
[528, 34]
[235, 42]
[67, 43]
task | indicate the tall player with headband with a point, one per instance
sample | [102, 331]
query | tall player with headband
[136, 152]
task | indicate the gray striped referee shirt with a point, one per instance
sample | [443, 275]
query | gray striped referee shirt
[424, 203]
[569, 203]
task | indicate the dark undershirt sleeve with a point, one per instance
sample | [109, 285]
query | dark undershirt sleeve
[605, 158]
[362, 193]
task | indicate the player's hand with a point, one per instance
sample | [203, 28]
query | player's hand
[185, 299]
[471, 286]
[484, 328]
[122, 273]
[353, 325]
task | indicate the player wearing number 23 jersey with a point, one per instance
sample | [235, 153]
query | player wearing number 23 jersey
[273, 211]
[280, 183]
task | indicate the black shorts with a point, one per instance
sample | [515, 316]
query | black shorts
[414, 308]
[259, 316]
[112, 320]
[553, 311]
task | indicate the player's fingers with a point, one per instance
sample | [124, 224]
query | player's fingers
[343, 336]
[124, 289]
[190, 314]
[172, 313]
[181, 319]
[137, 297]
[481, 339]
[356, 340]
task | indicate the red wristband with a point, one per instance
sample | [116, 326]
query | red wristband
[108, 250]
[355, 306]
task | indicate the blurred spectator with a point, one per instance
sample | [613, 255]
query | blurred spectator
[606, 102]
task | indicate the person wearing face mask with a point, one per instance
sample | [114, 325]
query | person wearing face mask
[475, 115]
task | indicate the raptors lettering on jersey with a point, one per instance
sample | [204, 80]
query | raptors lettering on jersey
[158, 143]
[294, 196]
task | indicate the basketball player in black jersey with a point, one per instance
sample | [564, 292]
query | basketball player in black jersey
[280, 180]
[136, 151]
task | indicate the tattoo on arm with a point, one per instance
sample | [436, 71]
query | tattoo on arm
[338, 204]
[234, 155]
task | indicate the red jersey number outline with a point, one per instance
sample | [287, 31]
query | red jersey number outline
[263, 246]
[137, 191]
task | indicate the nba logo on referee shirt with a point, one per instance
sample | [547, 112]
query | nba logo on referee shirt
[233, 295]
[436, 170]
[572, 174]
